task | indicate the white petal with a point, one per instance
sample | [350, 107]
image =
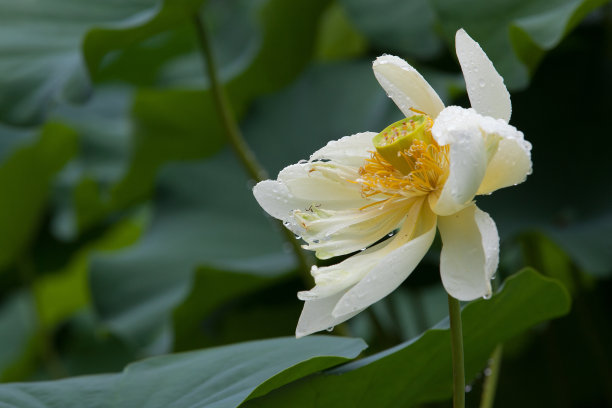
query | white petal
[332, 279]
[509, 165]
[470, 253]
[328, 184]
[274, 197]
[409, 246]
[337, 233]
[316, 315]
[406, 86]
[339, 277]
[349, 150]
[459, 128]
[485, 87]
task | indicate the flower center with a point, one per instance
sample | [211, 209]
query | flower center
[407, 161]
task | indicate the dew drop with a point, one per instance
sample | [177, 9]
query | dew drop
[481, 83]
[487, 371]
[487, 296]
[468, 388]
[330, 328]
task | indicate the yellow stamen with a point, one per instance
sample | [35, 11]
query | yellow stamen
[428, 163]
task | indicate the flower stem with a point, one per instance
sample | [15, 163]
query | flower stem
[234, 136]
[454, 313]
[232, 132]
[490, 383]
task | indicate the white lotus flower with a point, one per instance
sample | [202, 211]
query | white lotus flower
[418, 174]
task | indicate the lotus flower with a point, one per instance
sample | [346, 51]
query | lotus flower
[381, 196]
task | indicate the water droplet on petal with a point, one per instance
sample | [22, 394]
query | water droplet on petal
[329, 329]
[481, 83]
[487, 296]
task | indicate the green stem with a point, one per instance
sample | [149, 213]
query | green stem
[236, 141]
[232, 131]
[454, 314]
[491, 375]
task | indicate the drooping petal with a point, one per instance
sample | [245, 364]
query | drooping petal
[459, 129]
[403, 255]
[348, 150]
[341, 276]
[485, 87]
[317, 316]
[470, 253]
[406, 86]
[510, 160]
[335, 278]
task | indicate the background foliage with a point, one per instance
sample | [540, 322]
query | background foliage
[129, 229]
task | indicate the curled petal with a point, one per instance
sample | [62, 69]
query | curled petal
[470, 253]
[459, 129]
[510, 160]
[403, 255]
[485, 87]
[406, 86]
[317, 316]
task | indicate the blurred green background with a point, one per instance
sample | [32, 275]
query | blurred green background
[128, 229]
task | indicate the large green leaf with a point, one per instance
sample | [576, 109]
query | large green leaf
[515, 34]
[135, 289]
[40, 47]
[25, 181]
[420, 370]
[220, 377]
[210, 289]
